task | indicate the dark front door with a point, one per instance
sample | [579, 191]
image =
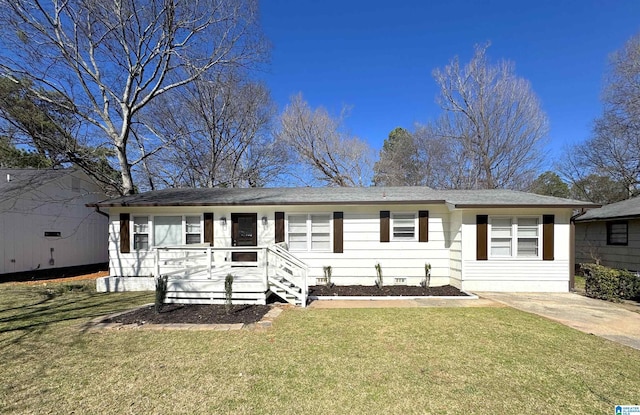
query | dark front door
[244, 232]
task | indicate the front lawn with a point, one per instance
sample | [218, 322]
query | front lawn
[316, 361]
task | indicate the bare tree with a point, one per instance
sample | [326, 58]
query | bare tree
[110, 59]
[613, 151]
[218, 133]
[442, 165]
[492, 127]
[318, 144]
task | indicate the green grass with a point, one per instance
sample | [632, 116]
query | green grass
[316, 361]
[579, 283]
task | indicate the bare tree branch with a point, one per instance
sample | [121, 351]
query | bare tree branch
[318, 144]
[111, 59]
[493, 127]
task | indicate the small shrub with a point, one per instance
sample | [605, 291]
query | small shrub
[610, 284]
[327, 275]
[427, 276]
[379, 275]
[161, 291]
[228, 292]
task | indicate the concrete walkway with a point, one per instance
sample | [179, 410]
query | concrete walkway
[421, 302]
[617, 322]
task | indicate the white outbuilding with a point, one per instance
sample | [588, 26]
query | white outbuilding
[45, 223]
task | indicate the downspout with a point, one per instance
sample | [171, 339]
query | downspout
[98, 211]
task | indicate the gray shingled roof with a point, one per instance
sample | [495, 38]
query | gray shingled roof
[626, 209]
[340, 195]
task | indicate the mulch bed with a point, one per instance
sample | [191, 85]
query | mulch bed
[387, 290]
[192, 314]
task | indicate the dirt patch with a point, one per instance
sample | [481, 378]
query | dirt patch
[91, 276]
[192, 314]
[390, 290]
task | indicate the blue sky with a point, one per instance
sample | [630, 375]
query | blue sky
[377, 56]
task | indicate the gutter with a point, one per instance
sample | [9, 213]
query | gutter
[577, 215]
[98, 211]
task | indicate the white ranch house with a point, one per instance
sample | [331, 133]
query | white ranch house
[45, 223]
[482, 240]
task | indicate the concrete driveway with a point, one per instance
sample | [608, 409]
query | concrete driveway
[617, 322]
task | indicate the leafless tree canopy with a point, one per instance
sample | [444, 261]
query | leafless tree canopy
[320, 148]
[217, 133]
[491, 132]
[613, 151]
[112, 58]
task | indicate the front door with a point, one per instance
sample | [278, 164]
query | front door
[244, 232]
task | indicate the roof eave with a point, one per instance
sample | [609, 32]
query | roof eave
[606, 218]
[331, 203]
[522, 206]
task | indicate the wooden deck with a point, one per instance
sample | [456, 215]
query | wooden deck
[196, 275]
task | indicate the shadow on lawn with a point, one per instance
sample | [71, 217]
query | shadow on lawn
[59, 304]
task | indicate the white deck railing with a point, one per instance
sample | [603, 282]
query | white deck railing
[289, 266]
[198, 262]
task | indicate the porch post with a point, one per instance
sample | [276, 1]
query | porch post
[209, 260]
[157, 261]
[266, 268]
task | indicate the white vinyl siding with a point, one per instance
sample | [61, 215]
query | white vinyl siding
[514, 237]
[516, 273]
[403, 226]
[309, 232]
[51, 206]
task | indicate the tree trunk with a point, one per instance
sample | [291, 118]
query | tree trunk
[125, 169]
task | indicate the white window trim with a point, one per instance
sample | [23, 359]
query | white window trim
[415, 227]
[150, 233]
[132, 232]
[184, 228]
[308, 241]
[514, 238]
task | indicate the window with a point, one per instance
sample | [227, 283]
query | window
[297, 232]
[528, 237]
[140, 232]
[192, 230]
[309, 232]
[320, 233]
[617, 233]
[167, 230]
[501, 237]
[515, 237]
[403, 226]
